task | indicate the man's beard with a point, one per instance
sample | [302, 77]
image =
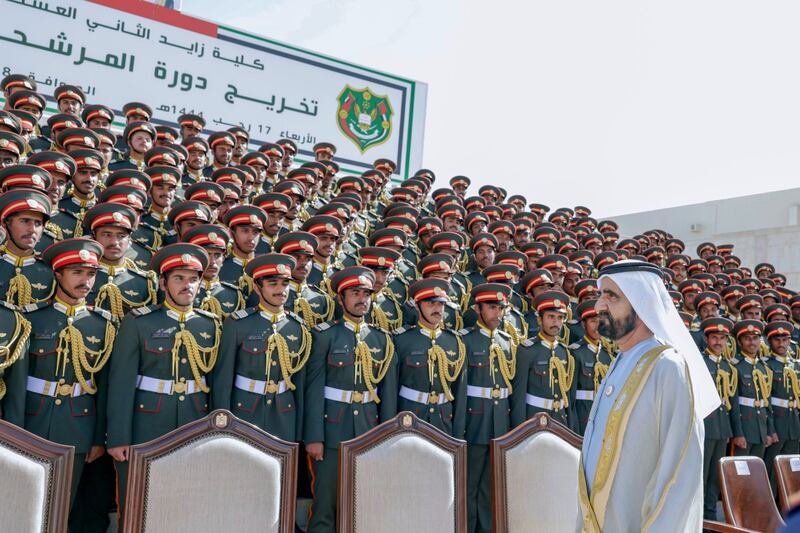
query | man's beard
[615, 329]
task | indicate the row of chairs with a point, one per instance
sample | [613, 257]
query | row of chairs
[220, 473]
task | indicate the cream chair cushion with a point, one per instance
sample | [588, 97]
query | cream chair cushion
[405, 483]
[23, 485]
[542, 485]
[215, 483]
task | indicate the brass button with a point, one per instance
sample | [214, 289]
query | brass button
[289, 405]
[269, 402]
[141, 406]
[181, 397]
[355, 412]
[239, 404]
[60, 381]
[340, 363]
[274, 363]
[85, 410]
[432, 409]
[183, 360]
[41, 350]
[496, 402]
[58, 401]
[183, 379]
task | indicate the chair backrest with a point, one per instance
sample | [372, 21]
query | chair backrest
[403, 475]
[218, 473]
[535, 477]
[787, 478]
[35, 479]
[747, 495]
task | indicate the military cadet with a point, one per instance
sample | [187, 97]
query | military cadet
[754, 430]
[328, 230]
[260, 374]
[242, 141]
[188, 214]
[545, 377]
[24, 278]
[246, 222]
[308, 301]
[484, 248]
[750, 306]
[155, 229]
[386, 311]
[70, 346]
[139, 137]
[289, 152]
[707, 304]
[438, 266]
[784, 395]
[430, 362]
[195, 162]
[88, 164]
[220, 298]
[593, 355]
[275, 205]
[491, 361]
[159, 364]
[532, 284]
[221, 144]
[719, 425]
[209, 193]
[12, 146]
[120, 286]
[324, 151]
[274, 154]
[351, 386]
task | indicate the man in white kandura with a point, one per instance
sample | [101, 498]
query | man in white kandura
[642, 459]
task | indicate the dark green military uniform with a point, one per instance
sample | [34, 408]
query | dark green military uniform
[783, 400]
[308, 301]
[27, 279]
[491, 360]
[66, 363]
[260, 375]
[755, 422]
[430, 365]
[155, 387]
[16, 331]
[591, 364]
[349, 372]
[232, 269]
[545, 377]
[718, 427]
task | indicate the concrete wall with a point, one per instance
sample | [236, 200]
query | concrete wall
[763, 227]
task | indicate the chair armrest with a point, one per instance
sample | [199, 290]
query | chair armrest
[721, 527]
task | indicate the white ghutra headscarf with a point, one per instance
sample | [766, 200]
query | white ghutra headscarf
[643, 285]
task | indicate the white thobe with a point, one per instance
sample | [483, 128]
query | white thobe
[658, 482]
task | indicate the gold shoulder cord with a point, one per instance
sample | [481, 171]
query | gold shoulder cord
[200, 359]
[600, 368]
[727, 382]
[791, 381]
[383, 321]
[55, 230]
[70, 342]
[763, 383]
[22, 331]
[729, 351]
[212, 305]
[365, 363]
[291, 362]
[117, 302]
[508, 366]
[565, 374]
[448, 370]
[303, 308]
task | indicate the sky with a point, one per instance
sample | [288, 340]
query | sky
[623, 106]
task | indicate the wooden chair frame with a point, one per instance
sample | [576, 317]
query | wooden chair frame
[59, 458]
[404, 422]
[217, 422]
[539, 423]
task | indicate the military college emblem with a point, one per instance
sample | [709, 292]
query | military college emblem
[364, 117]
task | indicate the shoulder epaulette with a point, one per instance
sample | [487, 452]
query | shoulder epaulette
[503, 333]
[322, 326]
[102, 312]
[463, 331]
[144, 310]
[296, 317]
[574, 345]
[242, 313]
[34, 306]
[207, 314]
[8, 305]
[401, 329]
[529, 342]
[229, 285]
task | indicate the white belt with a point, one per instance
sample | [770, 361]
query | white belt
[167, 386]
[544, 403]
[786, 404]
[584, 395]
[487, 392]
[260, 387]
[751, 402]
[349, 396]
[53, 388]
[433, 398]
